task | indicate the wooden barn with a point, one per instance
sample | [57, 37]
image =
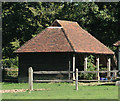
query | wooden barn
[61, 47]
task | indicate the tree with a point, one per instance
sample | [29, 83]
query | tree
[100, 19]
[22, 21]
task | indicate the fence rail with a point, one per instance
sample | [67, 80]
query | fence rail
[10, 69]
[31, 72]
[52, 72]
[114, 71]
[66, 72]
[53, 80]
[96, 80]
[10, 74]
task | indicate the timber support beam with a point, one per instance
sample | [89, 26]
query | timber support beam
[108, 66]
[98, 66]
[73, 66]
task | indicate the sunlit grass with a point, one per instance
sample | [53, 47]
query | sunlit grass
[61, 91]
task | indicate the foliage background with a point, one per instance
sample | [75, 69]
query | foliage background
[22, 21]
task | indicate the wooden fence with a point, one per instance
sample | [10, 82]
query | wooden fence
[10, 74]
[31, 72]
[49, 72]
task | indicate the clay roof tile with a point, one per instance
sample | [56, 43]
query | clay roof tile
[64, 36]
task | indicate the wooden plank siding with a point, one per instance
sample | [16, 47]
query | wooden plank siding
[49, 62]
[43, 62]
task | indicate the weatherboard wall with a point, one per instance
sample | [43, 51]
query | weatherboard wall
[42, 62]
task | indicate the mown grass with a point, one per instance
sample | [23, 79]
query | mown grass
[61, 91]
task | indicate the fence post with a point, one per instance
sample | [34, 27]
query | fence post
[73, 66]
[109, 67]
[76, 84]
[30, 78]
[69, 69]
[97, 64]
[115, 74]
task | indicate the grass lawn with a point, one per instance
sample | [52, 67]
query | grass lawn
[61, 91]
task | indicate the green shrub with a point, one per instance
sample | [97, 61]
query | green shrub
[12, 73]
[90, 67]
[10, 62]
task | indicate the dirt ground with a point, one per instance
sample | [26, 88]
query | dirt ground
[19, 90]
[81, 84]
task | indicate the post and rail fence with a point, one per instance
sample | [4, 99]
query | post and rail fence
[9, 75]
[31, 74]
[30, 78]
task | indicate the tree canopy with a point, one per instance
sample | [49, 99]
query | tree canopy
[23, 20]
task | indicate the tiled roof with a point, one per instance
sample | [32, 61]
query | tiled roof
[117, 43]
[67, 36]
[81, 40]
[49, 40]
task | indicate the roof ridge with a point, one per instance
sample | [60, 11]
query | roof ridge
[117, 43]
[54, 27]
[67, 21]
[68, 39]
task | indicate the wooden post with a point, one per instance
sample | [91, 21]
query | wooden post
[30, 78]
[115, 75]
[97, 64]
[85, 63]
[108, 67]
[76, 79]
[69, 69]
[73, 66]
[119, 58]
